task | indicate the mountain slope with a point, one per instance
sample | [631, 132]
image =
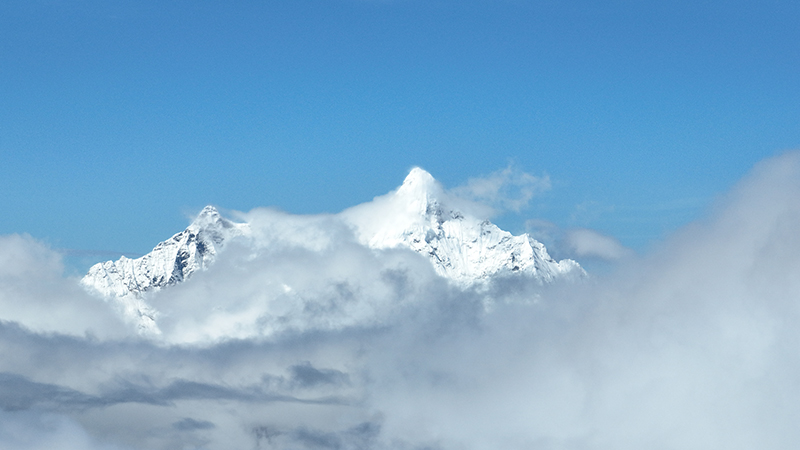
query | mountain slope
[170, 262]
[421, 216]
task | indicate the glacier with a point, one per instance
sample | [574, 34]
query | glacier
[420, 215]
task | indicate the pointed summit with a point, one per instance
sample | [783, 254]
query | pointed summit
[419, 192]
[418, 177]
[209, 217]
[209, 211]
[419, 182]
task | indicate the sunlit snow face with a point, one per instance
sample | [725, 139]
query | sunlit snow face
[694, 346]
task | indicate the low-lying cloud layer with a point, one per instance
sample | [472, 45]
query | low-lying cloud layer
[693, 346]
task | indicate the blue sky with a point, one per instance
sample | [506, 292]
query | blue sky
[118, 119]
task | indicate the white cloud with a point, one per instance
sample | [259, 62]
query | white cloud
[509, 189]
[34, 292]
[583, 243]
[693, 346]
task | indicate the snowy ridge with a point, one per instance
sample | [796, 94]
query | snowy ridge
[461, 247]
[170, 262]
[420, 215]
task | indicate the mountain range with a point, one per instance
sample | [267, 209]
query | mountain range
[419, 215]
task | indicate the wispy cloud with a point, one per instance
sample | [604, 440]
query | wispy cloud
[586, 243]
[509, 189]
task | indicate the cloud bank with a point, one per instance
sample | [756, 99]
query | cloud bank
[692, 346]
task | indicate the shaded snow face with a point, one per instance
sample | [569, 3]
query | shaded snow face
[127, 281]
[171, 262]
[692, 347]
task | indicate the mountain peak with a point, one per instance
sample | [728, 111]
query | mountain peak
[208, 211]
[418, 177]
[419, 190]
[170, 262]
[419, 182]
[209, 218]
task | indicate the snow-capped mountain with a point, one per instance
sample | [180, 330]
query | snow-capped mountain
[170, 262]
[420, 215]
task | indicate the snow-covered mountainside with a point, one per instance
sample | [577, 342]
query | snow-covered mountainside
[170, 262]
[420, 215]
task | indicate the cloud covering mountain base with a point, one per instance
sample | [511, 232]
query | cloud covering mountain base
[694, 346]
